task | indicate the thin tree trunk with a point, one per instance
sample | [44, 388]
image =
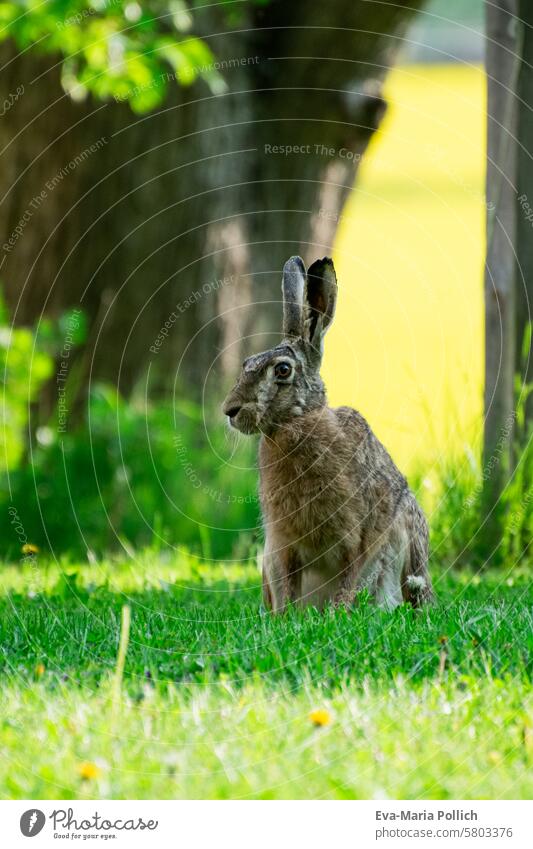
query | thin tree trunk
[524, 228]
[500, 348]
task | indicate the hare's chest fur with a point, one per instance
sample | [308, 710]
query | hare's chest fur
[308, 498]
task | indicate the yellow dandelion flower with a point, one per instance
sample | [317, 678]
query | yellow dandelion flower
[320, 717]
[40, 669]
[30, 548]
[89, 771]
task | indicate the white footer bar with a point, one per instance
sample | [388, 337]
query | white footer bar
[267, 825]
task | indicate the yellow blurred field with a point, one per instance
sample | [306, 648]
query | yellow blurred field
[406, 347]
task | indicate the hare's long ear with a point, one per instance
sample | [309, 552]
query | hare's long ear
[293, 288]
[321, 299]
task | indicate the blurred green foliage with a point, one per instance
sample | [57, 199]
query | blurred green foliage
[456, 508]
[118, 49]
[134, 475]
[24, 367]
[124, 474]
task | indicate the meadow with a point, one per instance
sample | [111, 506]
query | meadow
[212, 698]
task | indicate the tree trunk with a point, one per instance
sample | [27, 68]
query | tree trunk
[169, 229]
[502, 69]
[524, 228]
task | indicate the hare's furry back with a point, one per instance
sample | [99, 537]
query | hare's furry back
[339, 516]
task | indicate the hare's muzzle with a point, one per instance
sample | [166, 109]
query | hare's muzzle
[232, 407]
[240, 415]
[231, 410]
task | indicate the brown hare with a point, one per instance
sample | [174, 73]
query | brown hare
[339, 517]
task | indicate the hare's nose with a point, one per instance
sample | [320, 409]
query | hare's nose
[231, 411]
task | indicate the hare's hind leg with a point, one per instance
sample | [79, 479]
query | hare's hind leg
[380, 575]
[389, 567]
[416, 581]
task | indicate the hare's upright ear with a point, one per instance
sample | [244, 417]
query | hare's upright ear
[293, 288]
[321, 299]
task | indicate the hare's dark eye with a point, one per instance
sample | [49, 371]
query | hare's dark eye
[282, 369]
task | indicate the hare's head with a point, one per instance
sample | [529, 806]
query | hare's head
[284, 382]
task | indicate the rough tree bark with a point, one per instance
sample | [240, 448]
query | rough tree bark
[194, 192]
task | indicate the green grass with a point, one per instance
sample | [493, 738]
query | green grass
[216, 695]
